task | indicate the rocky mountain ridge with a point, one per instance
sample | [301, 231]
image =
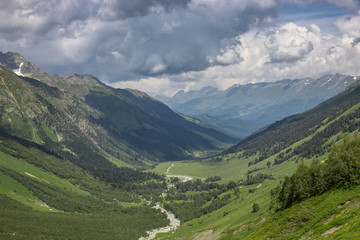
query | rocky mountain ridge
[258, 103]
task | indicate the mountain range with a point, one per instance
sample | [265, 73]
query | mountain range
[242, 109]
[85, 120]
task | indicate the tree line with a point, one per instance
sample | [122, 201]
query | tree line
[341, 169]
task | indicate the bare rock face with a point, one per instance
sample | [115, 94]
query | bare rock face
[18, 64]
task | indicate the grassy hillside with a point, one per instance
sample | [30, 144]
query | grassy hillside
[43, 196]
[319, 201]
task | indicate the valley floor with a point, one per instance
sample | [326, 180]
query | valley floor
[334, 214]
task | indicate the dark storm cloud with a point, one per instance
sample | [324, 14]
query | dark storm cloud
[120, 9]
[36, 18]
[187, 40]
[128, 39]
[355, 42]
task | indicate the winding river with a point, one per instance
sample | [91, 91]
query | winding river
[174, 222]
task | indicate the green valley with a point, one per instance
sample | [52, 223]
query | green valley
[179, 119]
[82, 160]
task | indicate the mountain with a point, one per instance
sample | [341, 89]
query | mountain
[93, 124]
[236, 126]
[311, 130]
[259, 103]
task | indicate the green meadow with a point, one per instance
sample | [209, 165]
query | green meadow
[232, 217]
[22, 167]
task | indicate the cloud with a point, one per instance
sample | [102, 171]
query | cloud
[120, 9]
[185, 40]
[229, 55]
[351, 5]
[355, 42]
[290, 43]
[177, 43]
[153, 37]
[156, 86]
[349, 24]
[346, 4]
[36, 18]
[289, 51]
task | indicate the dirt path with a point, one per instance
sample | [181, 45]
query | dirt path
[31, 175]
[168, 170]
[184, 178]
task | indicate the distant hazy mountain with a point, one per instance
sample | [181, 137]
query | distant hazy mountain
[307, 134]
[93, 124]
[259, 104]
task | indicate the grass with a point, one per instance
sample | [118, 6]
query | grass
[29, 170]
[229, 219]
[231, 169]
[18, 222]
[332, 215]
[236, 217]
[24, 128]
[24, 216]
[53, 136]
[316, 218]
[115, 160]
[237, 221]
[18, 192]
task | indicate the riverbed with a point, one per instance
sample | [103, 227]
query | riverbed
[174, 223]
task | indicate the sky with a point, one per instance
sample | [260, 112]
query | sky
[163, 46]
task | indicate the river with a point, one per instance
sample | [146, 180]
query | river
[174, 222]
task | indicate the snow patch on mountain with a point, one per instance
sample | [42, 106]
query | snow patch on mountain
[18, 71]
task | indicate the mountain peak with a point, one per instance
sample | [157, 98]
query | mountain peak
[82, 79]
[18, 64]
